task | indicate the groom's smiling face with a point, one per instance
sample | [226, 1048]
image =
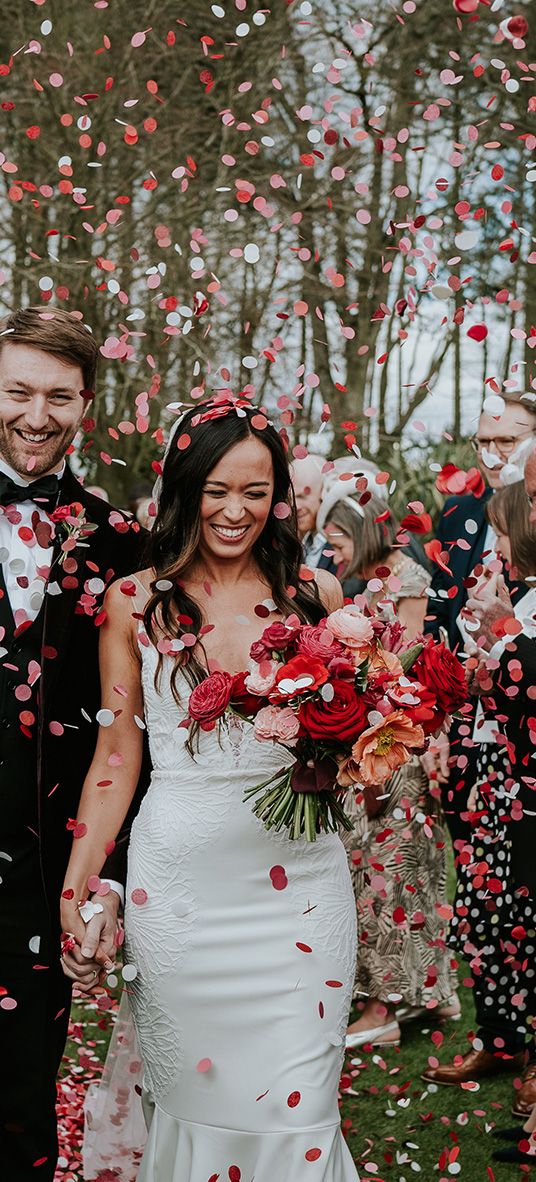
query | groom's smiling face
[237, 500]
[41, 408]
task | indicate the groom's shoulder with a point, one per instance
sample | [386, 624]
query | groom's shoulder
[117, 531]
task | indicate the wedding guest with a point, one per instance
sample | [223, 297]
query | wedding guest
[145, 513]
[502, 443]
[495, 905]
[403, 963]
[523, 1149]
[307, 482]
[353, 535]
[50, 609]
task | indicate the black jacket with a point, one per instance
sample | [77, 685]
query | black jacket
[463, 520]
[70, 687]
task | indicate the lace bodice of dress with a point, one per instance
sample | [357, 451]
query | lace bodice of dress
[232, 741]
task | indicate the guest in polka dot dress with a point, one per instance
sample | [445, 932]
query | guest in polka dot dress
[495, 908]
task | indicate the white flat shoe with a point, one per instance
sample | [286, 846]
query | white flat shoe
[406, 1013]
[374, 1036]
[409, 1013]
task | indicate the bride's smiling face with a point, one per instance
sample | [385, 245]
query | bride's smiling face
[236, 500]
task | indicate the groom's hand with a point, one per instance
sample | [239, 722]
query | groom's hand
[90, 960]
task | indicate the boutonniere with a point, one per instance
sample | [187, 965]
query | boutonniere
[70, 522]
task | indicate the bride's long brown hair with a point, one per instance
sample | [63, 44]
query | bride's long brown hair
[174, 542]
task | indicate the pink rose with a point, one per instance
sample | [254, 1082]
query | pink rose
[351, 627]
[261, 677]
[318, 642]
[281, 725]
[210, 699]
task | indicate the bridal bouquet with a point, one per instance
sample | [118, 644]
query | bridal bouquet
[350, 698]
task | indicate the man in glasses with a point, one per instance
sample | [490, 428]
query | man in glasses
[502, 444]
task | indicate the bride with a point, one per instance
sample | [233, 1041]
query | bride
[240, 942]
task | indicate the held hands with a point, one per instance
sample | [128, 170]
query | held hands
[88, 956]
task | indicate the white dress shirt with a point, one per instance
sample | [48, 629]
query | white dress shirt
[26, 567]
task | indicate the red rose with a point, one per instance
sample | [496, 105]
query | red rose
[441, 672]
[276, 638]
[210, 699]
[288, 682]
[62, 512]
[343, 719]
[241, 700]
[318, 642]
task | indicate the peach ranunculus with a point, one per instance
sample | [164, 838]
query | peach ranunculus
[280, 724]
[381, 750]
[383, 661]
[261, 677]
[349, 625]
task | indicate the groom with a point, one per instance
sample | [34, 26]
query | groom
[50, 610]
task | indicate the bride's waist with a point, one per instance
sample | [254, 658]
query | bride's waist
[252, 764]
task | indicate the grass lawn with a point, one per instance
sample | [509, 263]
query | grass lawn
[396, 1127]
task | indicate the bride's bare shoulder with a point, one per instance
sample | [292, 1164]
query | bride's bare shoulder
[124, 595]
[329, 589]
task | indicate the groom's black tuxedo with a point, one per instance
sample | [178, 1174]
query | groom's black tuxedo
[49, 698]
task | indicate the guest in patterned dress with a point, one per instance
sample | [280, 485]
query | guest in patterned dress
[397, 848]
[495, 910]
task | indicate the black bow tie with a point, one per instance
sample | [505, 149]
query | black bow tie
[44, 491]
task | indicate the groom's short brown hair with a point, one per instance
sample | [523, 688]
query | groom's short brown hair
[54, 331]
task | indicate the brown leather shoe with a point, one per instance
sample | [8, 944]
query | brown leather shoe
[473, 1066]
[525, 1098]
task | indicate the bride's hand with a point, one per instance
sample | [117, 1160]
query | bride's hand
[92, 956]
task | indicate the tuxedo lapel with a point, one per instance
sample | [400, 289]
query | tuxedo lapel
[60, 599]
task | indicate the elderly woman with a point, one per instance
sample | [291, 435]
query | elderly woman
[359, 546]
[397, 855]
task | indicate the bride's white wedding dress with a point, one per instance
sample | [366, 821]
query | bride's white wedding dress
[244, 947]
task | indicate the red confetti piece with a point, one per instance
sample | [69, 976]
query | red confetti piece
[139, 896]
[294, 1099]
[303, 947]
[279, 878]
[313, 1154]
[477, 332]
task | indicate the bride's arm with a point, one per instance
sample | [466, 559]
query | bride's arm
[113, 775]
